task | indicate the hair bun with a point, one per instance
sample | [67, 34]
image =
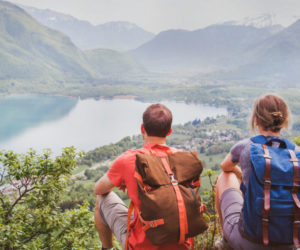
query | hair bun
[277, 118]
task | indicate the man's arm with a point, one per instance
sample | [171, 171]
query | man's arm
[103, 185]
[229, 166]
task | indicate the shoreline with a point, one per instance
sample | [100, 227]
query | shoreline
[114, 97]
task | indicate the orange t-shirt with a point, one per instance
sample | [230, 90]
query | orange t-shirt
[121, 174]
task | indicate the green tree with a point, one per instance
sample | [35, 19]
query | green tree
[31, 187]
[297, 140]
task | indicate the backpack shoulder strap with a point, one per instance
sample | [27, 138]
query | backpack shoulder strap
[261, 139]
[130, 209]
[289, 145]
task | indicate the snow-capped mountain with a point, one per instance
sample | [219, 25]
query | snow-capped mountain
[262, 21]
[267, 21]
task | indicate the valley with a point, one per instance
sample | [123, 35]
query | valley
[65, 81]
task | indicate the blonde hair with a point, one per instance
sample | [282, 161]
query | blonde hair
[271, 113]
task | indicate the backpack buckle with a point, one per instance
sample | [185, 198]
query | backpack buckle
[147, 189]
[267, 156]
[173, 180]
[152, 223]
[296, 223]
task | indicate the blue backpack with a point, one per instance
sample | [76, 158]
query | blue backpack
[271, 210]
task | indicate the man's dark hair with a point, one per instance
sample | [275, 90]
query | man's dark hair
[157, 120]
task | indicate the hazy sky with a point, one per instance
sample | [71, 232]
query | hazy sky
[158, 15]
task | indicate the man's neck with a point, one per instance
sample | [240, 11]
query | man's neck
[154, 140]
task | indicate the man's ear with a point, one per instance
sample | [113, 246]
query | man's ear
[170, 131]
[142, 129]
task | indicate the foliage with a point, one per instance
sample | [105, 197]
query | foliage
[77, 193]
[31, 189]
[219, 148]
[207, 239]
[297, 140]
[240, 123]
[95, 174]
[111, 151]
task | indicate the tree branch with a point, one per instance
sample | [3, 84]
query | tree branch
[2, 176]
[21, 195]
[2, 201]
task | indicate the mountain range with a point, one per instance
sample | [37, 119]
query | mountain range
[205, 50]
[120, 36]
[228, 51]
[276, 58]
[30, 51]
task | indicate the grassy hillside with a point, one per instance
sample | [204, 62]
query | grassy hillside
[112, 63]
[31, 52]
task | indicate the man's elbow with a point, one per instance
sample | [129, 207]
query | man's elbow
[96, 192]
[103, 186]
[101, 192]
[98, 187]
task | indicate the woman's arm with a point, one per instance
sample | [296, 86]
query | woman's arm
[229, 166]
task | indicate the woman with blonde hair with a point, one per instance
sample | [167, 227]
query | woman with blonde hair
[238, 189]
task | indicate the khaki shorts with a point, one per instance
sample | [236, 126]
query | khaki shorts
[113, 213]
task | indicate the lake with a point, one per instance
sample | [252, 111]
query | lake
[55, 122]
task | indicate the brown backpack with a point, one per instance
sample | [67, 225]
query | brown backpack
[171, 209]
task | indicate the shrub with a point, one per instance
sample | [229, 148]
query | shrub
[30, 217]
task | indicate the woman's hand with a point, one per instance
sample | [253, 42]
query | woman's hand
[238, 172]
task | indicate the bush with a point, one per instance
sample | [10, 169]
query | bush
[206, 240]
[32, 186]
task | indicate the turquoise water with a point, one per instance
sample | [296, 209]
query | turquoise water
[55, 122]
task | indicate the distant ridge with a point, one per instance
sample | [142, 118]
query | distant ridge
[121, 36]
[30, 52]
[204, 50]
[276, 58]
[227, 52]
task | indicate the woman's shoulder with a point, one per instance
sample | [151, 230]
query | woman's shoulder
[242, 144]
[240, 148]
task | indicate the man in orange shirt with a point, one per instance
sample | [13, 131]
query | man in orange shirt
[111, 212]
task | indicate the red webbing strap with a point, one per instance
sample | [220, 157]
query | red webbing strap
[151, 224]
[296, 222]
[183, 225]
[190, 243]
[130, 209]
[167, 167]
[196, 183]
[267, 188]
